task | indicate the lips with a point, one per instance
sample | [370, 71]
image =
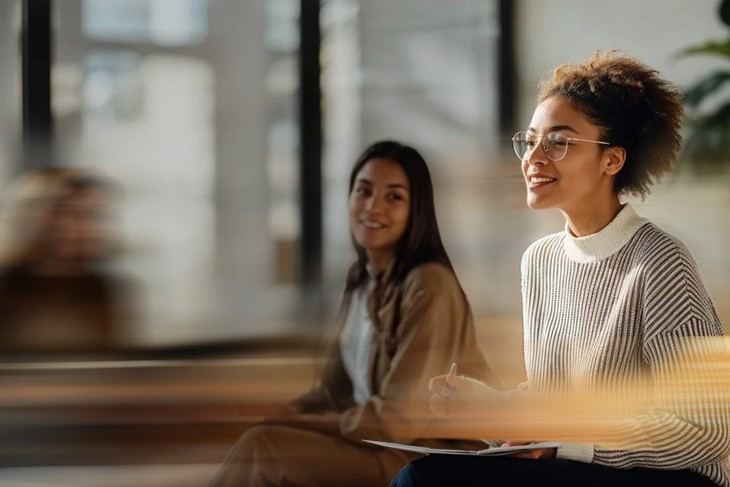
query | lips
[539, 180]
[372, 225]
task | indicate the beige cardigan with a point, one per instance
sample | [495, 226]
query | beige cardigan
[421, 327]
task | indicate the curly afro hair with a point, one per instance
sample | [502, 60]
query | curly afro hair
[634, 108]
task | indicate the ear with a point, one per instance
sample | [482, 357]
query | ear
[614, 159]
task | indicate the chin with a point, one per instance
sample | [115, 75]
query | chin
[368, 244]
[537, 204]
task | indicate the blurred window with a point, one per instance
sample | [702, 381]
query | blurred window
[9, 86]
[164, 22]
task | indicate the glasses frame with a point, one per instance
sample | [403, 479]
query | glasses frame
[542, 137]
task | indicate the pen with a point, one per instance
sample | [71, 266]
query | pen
[452, 369]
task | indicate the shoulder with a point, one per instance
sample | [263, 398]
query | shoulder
[657, 249]
[667, 266]
[430, 277]
[545, 244]
[542, 247]
[430, 293]
[674, 293]
[653, 238]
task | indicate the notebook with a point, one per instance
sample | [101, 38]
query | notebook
[492, 451]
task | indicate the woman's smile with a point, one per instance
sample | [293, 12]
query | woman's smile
[537, 181]
[372, 224]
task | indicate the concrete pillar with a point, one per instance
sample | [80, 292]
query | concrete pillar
[244, 250]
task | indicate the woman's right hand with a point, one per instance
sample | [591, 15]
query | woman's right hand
[453, 394]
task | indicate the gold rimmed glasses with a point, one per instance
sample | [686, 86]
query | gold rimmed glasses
[554, 144]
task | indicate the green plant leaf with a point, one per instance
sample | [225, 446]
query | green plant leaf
[717, 48]
[708, 143]
[721, 118]
[705, 87]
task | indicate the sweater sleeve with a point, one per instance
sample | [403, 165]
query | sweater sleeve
[683, 428]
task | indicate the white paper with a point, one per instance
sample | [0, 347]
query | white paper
[494, 451]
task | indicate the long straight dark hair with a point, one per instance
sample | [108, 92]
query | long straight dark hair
[421, 241]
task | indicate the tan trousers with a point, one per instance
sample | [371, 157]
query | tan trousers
[272, 455]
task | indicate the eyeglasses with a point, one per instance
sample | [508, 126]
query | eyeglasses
[554, 144]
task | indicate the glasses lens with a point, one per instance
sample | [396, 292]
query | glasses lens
[556, 146]
[522, 143]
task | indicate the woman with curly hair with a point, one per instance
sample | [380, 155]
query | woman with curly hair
[608, 300]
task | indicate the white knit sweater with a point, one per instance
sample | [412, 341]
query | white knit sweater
[612, 305]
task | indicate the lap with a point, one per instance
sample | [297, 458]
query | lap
[516, 472]
[271, 454]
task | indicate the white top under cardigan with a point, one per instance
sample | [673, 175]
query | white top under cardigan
[356, 341]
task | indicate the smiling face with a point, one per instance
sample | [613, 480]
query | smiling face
[379, 207]
[584, 177]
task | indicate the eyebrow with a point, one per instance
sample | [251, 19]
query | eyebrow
[389, 185]
[555, 128]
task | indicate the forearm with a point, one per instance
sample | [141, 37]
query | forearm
[664, 441]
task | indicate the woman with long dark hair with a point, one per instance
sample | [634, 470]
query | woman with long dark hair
[404, 318]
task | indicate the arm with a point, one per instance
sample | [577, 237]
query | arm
[331, 393]
[434, 329]
[332, 390]
[686, 427]
[689, 427]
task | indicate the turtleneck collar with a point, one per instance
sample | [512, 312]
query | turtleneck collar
[606, 242]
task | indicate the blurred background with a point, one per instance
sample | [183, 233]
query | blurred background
[222, 133]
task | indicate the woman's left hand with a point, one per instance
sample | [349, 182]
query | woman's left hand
[538, 454]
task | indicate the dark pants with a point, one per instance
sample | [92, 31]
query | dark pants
[458, 470]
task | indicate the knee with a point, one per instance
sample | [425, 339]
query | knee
[256, 442]
[250, 460]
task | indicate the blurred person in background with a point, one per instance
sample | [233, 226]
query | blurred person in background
[403, 319]
[610, 299]
[55, 239]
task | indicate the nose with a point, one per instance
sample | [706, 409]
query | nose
[373, 203]
[536, 156]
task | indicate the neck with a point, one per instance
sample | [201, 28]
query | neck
[379, 260]
[589, 218]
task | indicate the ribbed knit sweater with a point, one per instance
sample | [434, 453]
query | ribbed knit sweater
[613, 305]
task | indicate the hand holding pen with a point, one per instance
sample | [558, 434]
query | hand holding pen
[453, 394]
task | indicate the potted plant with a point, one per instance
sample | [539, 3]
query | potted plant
[707, 146]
